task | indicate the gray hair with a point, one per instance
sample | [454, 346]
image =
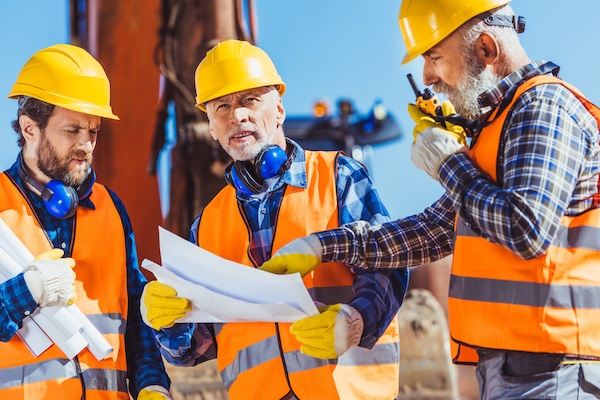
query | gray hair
[506, 36]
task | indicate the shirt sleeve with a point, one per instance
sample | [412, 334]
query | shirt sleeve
[416, 240]
[188, 344]
[16, 303]
[144, 363]
[536, 183]
[378, 293]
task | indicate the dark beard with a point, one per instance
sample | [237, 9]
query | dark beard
[56, 168]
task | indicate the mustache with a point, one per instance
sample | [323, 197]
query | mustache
[87, 157]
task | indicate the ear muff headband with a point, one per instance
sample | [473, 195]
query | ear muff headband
[249, 178]
[60, 200]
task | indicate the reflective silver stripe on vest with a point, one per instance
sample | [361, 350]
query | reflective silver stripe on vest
[463, 230]
[584, 237]
[104, 379]
[60, 368]
[250, 357]
[524, 293]
[295, 361]
[57, 368]
[264, 351]
[111, 323]
[385, 353]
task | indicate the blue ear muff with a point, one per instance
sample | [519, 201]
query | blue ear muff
[242, 179]
[60, 200]
[270, 161]
[249, 177]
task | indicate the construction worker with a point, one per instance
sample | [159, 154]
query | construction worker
[519, 213]
[51, 202]
[277, 192]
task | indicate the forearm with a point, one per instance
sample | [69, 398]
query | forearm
[412, 241]
[144, 363]
[16, 303]
[187, 344]
[379, 296]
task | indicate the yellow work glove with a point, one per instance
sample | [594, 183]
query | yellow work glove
[301, 255]
[51, 279]
[330, 333]
[154, 392]
[160, 306]
[424, 121]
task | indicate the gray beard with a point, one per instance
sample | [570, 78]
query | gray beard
[465, 96]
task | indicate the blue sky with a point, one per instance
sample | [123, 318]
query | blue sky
[333, 49]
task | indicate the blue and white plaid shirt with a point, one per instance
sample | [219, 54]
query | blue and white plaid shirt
[548, 166]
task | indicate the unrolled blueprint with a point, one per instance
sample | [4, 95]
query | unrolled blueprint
[224, 291]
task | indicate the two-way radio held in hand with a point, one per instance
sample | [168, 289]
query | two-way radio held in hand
[426, 101]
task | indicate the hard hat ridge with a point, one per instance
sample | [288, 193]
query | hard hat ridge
[232, 66]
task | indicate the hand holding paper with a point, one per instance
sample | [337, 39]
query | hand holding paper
[221, 290]
[161, 307]
[301, 255]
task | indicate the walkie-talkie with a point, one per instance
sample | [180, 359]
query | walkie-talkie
[426, 101]
[430, 105]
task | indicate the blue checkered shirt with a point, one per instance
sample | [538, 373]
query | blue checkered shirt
[378, 294]
[144, 363]
[548, 167]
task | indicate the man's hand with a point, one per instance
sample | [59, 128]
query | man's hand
[424, 122]
[51, 279]
[154, 392]
[301, 255]
[432, 147]
[160, 306]
[329, 334]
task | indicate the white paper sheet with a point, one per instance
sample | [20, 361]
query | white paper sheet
[224, 291]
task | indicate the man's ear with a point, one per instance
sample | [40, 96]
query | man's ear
[29, 128]
[280, 113]
[487, 49]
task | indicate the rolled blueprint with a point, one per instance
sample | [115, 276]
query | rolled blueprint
[67, 327]
[32, 335]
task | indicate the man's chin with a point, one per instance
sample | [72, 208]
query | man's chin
[76, 178]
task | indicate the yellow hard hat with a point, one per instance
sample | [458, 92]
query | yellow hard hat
[426, 23]
[232, 66]
[66, 76]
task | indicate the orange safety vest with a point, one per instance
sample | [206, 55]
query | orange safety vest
[101, 287]
[263, 360]
[550, 304]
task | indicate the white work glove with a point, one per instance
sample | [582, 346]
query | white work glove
[432, 147]
[330, 333]
[51, 279]
[301, 255]
[154, 392]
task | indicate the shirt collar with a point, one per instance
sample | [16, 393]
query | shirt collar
[296, 173]
[492, 98]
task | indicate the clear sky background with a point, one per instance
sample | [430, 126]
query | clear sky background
[333, 49]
